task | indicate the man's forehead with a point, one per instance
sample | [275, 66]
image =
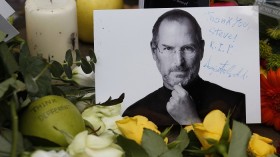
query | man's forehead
[182, 21]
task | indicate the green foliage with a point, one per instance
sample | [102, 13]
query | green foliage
[7, 60]
[56, 69]
[69, 57]
[240, 136]
[131, 148]
[86, 66]
[153, 143]
[24, 78]
[78, 57]
[2, 36]
[265, 49]
[182, 141]
[110, 102]
[273, 62]
[6, 141]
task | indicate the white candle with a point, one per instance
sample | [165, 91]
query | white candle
[51, 27]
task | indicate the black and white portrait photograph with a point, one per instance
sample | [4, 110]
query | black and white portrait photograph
[175, 65]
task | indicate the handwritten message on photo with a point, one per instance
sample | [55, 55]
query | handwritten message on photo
[133, 47]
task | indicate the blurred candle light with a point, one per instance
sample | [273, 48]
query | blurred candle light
[51, 27]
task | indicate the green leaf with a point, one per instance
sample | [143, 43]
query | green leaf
[131, 148]
[2, 36]
[24, 58]
[172, 153]
[166, 132]
[111, 102]
[225, 135]
[31, 84]
[56, 69]
[194, 142]
[183, 140]
[69, 57]
[67, 70]
[4, 86]
[92, 66]
[92, 55]
[78, 57]
[8, 59]
[153, 143]
[86, 67]
[239, 141]
[35, 70]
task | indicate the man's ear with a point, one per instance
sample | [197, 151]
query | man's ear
[153, 49]
[202, 44]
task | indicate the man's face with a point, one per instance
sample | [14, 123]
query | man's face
[178, 52]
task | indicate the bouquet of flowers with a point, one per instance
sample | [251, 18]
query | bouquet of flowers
[47, 109]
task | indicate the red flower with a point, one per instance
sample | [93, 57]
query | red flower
[217, 4]
[270, 98]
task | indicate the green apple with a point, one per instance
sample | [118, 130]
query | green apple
[49, 116]
[85, 15]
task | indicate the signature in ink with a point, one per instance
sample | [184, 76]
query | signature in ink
[227, 69]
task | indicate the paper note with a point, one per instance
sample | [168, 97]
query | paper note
[5, 9]
[126, 65]
[7, 28]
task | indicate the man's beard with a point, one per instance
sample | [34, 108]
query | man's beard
[187, 75]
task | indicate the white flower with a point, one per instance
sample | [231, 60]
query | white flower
[103, 117]
[42, 153]
[84, 145]
[110, 123]
[81, 78]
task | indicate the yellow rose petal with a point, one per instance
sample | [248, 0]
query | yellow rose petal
[132, 127]
[261, 146]
[215, 121]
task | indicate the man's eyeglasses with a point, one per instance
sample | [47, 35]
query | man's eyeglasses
[185, 50]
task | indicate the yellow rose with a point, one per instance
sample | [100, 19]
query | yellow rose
[260, 146]
[133, 127]
[211, 128]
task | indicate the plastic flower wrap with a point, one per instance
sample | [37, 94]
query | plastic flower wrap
[133, 127]
[89, 145]
[260, 146]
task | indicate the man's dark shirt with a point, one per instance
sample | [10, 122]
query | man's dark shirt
[206, 95]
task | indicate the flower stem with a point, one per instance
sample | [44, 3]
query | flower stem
[42, 72]
[14, 126]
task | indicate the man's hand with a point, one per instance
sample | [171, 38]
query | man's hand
[181, 107]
